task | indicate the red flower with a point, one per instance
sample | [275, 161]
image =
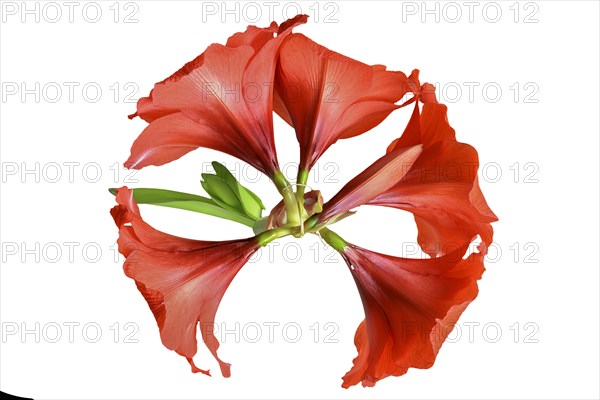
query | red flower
[412, 305]
[326, 96]
[441, 189]
[438, 185]
[222, 100]
[410, 308]
[182, 280]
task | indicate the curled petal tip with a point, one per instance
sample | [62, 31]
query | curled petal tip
[196, 370]
[483, 248]
[130, 164]
[297, 20]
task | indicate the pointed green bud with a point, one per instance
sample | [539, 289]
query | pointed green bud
[220, 192]
[250, 203]
[252, 207]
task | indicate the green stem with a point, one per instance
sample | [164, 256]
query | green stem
[333, 239]
[273, 234]
[291, 206]
[301, 188]
[310, 223]
[186, 201]
[301, 182]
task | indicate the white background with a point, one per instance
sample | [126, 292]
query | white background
[540, 291]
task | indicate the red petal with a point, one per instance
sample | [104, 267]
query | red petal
[412, 133]
[371, 113]
[410, 308]
[414, 82]
[253, 36]
[172, 136]
[425, 92]
[326, 96]
[434, 124]
[228, 90]
[478, 201]
[379, 177]
[427, 128]
[262, 69]
[437, 191]
[441, 190]
[182, 280]
[147, 111]
[376, 105]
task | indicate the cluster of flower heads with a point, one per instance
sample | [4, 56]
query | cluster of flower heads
[410, 305]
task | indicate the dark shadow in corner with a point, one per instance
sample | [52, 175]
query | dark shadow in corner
[5, 395]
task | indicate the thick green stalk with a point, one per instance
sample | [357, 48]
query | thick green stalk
[301, 187]
[289, 199]
[301, 183]
[310, 223]
[273, 234]
[333, 239]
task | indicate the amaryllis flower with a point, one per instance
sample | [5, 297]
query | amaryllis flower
[221, 100]
[411, 305]
[326, 96]
[427, 172]
[224, 100]
[441, 189]
[182, 280]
